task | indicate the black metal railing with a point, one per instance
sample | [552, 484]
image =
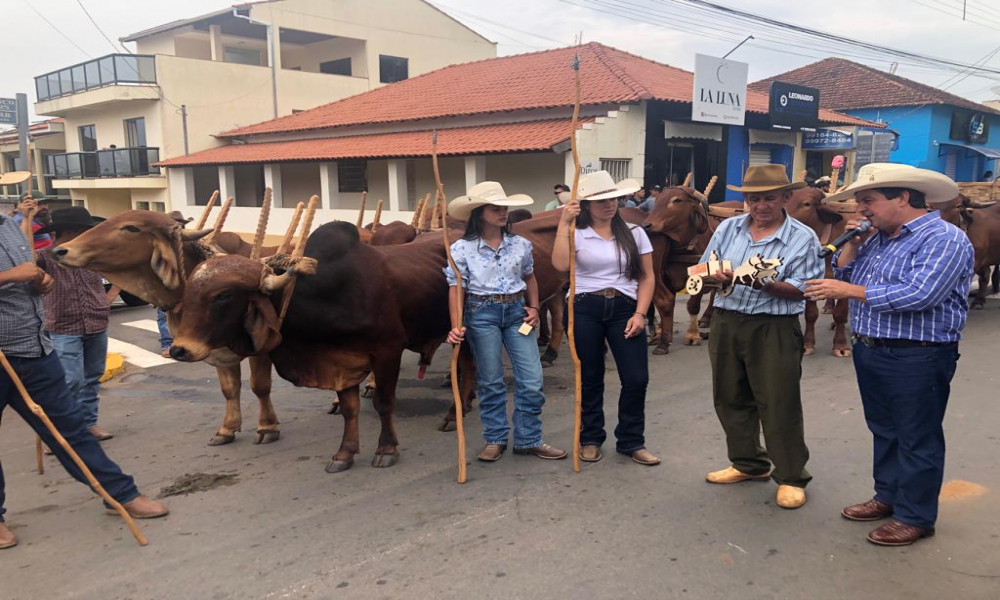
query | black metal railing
[113, 69]
[118, 162]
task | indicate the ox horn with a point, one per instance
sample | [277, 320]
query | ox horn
[271, 283]
[265, 213]
[191, 235]
[700, 197]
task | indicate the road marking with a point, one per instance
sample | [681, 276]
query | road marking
[146, 324]
[137, 356]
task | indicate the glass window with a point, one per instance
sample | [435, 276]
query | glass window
[107, 68]
[54, 89]
[341, 66]
[93, 75]
[241, 56]
[147, 69]
[127, 68]
[135, 132]
[392, 68]
[88, 138]
[41, 88]
[352, 175]
[66, 81]
[79, 79]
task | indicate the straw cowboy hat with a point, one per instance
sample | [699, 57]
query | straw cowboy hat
[73, 218]
[599, 185]
[935, 186]
[178, 216]
[14, 177]
[482, 194]
[766, 178]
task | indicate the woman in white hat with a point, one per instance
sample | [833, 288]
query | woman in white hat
[614, 288]
[501, 296]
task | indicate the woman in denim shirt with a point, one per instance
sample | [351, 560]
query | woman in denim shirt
[498, 277]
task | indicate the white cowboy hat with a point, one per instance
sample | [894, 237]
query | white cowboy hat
[935, 186]
[599, 185]
[481, 194]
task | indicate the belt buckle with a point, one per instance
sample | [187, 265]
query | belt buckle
[867, 341]
[608, 292]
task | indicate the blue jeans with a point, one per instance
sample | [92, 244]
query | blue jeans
[161, 321]
[491, 326]
[905, 392]
[46, 384]
[83, 358]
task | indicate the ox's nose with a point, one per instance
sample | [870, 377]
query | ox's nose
[179, 353]
[59, 252]
[647, 227]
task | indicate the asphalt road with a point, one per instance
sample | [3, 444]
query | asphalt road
[278, 526]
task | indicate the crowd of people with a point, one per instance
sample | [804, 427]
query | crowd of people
[907, 282]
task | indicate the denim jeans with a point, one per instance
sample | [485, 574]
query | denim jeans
[46, 384]
[904, 392]
[83, 358]
[161, 321]
[491, 326]
[599, 319]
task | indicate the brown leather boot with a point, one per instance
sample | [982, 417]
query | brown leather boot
[143, 508]
[491, 453]
[897, 533]
[544, 451]
[7, 537]
[645, 457]
[590, 453]
[873, 510]
[100, 433]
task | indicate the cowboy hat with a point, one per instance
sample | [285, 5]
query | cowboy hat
[766, 178]
[599, 185]
[72, 218]
[482, 194]
[824, 180]
[935, 186]
[14, 177]
[179, 217]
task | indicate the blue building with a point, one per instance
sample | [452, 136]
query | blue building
[927, 127]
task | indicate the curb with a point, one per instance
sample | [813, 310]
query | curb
[115, 366]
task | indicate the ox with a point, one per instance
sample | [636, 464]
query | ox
[981, 222]
[347, 321]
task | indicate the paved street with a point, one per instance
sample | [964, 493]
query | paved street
[275, 525]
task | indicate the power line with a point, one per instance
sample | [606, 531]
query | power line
[98, 27]
[59, 31]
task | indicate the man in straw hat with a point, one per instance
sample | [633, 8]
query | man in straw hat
[29, 350]
[756, 342]
[908, 286]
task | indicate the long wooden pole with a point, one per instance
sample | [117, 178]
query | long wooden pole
[456, 393]
[571, 316]
[27, 228]
[208, 210]
[299, 252]
[94, 484]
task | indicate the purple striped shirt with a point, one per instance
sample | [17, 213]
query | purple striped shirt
[916, 284]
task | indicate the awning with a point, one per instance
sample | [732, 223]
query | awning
[696, 131]
[990, 153]
[531, 136]
[783, 138]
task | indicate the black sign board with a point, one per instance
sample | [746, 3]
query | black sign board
[971, 127]
[793, 106]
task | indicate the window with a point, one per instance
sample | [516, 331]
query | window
[353, 175]
[135, 132]
[341, 66]
[619, 168]
[241, 56]
[392, 68]
[88, 138]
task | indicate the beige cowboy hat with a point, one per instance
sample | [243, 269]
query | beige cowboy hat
[14, 177]
[935, 186]
[482, 194]
[766, 178]
[599, 185]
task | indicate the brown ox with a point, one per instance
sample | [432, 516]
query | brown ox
[148, 255]
[347, 321]
[393, 234]
[981, 222]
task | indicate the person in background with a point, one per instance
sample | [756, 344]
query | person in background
[41, 219]
[822, 184]
[561, 192]
[647, 204]
[166, 340]
[76, 317]
[987, 177]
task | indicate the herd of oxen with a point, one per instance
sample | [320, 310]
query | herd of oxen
[364, 295]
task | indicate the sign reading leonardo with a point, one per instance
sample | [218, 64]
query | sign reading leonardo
[720, 90]
[793, 106]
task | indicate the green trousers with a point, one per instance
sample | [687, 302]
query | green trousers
[756, 368]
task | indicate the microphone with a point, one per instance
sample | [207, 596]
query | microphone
[845, 237]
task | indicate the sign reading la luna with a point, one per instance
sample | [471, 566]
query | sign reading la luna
[720, 90]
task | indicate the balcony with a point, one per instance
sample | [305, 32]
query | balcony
[102, 164]
[113, 69]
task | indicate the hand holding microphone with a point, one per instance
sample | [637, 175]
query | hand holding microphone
[859, 228]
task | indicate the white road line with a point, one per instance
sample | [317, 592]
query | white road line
[137, 356]
[147, 324]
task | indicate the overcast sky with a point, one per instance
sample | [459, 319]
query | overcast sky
[31, 47]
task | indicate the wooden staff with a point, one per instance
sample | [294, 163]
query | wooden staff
[378, 215]
[286, 243]
[456, 393]
[208, 210]
[265, 213]
[415, 221]
[710, 186]
[802, 175]
[687, 180]
[571, 316]
[361, 210]
[94, 484]
[299, 252]
[220, 220]
[834, 177]
[29, 233]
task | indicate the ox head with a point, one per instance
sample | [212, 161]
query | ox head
[229, 302]
[139, 251]
[679, 213]
[806, 205]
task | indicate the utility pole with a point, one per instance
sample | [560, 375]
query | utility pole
[184, 123]
[22, 133]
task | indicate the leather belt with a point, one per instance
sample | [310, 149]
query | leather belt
[736, 313]
[498, 298]
[605, 293]
[896, 343]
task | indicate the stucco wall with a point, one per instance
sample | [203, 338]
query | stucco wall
[617, 137]
[299, 181]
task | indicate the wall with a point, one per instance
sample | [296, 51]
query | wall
[299, 181]
[914, 126]
[622, 135]
[107, 203]
[109, 123]
[193, 48]
[531, 174]
[310, 56]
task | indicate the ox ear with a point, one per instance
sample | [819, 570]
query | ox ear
[261, 325]
[165, 262]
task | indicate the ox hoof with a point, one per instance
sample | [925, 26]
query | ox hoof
[842, 352]
[334, 409]
[692, 340]
[810, 351]
[549, 357]
[543, 342]
[221, 439]
[338, 466]
[661, 349]
[446, 382]
[447, 425]
[367, 392]
[266, 436]
[384, 460]
[654, 340]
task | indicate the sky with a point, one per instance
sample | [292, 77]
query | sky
[663, 30]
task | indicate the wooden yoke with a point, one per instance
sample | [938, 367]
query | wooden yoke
[361, 210]
[377, 221]
[710, 186]
[439, 203]
[208, 210]
[286, 243]
[220, 221]
[265, 213]
[299, 252]
[571, 315]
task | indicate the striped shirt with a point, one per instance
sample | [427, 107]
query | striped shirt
[21, 311]
[916, 284]
[796, 245]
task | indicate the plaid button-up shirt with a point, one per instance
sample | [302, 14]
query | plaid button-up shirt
[78, 305]
[21, 313]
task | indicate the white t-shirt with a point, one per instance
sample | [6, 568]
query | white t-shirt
[598, 265]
